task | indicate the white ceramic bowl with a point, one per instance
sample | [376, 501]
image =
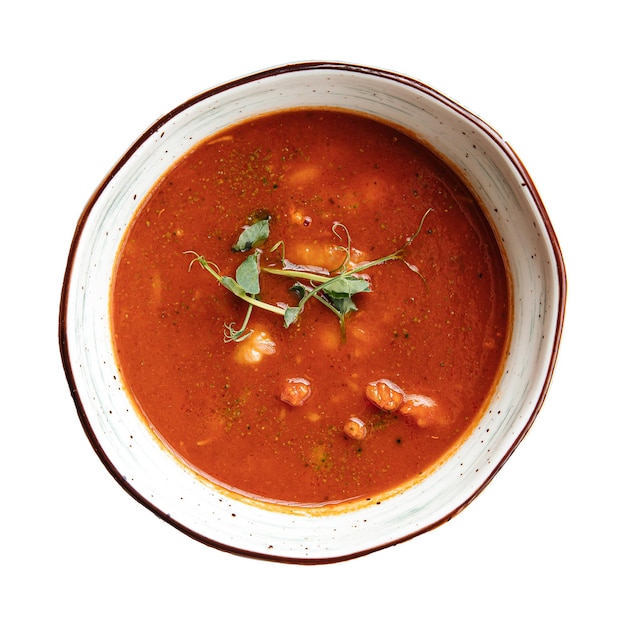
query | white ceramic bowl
[158, 480]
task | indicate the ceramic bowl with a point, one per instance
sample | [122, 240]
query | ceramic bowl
[162, 483]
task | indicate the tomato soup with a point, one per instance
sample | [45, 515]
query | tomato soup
[352, 322]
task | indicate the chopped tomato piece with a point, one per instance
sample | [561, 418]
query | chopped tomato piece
[385, 394]
[296, 391]
[423, 410]
[355, 429]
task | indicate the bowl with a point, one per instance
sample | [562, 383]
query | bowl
[155, 477]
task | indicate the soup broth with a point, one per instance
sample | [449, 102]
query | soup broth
[361, 393]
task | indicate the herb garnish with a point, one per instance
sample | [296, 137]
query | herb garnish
[333, 288]
[252, 236]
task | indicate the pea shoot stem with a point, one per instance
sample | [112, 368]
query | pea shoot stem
[232, 286]
[319, 278]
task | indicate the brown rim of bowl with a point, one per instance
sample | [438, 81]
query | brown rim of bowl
[285, 69]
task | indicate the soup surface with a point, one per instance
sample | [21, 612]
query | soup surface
[344, 393]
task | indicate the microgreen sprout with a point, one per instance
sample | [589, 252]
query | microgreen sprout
[333, 288]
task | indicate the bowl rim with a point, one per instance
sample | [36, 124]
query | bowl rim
[309, 66]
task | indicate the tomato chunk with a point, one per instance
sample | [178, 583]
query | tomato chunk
[422, 410]
[385, 394]
[355, 429]
[296, 391]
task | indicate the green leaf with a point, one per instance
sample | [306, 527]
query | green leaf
[299, 289]
[252, 236]
[247, 274]
[339, 306]
[345, 286]
[344, 305]
[233, 286]
[291, 315]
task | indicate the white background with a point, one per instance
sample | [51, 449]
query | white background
[544, 544]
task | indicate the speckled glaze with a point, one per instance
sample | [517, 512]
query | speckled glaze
[162, 483]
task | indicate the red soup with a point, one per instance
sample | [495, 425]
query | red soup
[310, 307]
